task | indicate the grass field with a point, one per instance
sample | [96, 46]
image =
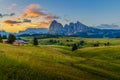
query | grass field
[88, 41]
[54, 62]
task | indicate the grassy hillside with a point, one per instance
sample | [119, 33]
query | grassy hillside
[59, 63]
[71, 40]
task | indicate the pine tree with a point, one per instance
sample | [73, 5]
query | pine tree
[35, 41]
[11, 38]
[74, 47]
[0, 38]
[4, 37]
[108, 43]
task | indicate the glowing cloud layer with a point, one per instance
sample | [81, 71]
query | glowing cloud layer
[32, 16]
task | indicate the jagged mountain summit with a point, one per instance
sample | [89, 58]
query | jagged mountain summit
[69, 29]
[74, 28]
[82, 30]
[56, 28]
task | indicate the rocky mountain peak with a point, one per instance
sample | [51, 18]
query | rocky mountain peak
[56, 28]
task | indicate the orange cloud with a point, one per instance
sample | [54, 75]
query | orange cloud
[18, 27]
[22, 26]
[44, 24]
[29, 19]
[10, 22]
[18, 19]
[32, 11]
[51, 17]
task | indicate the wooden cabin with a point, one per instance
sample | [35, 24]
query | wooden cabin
[5, 41]
[19, 43]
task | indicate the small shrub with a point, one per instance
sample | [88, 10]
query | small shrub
[107, 44]
[96, 45]
[74, 47]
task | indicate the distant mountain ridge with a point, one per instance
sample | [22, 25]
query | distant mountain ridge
[2, 33]
[32, 31]
[108, 26]
[72, 29]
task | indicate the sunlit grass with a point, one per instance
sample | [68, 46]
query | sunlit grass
[59, 63]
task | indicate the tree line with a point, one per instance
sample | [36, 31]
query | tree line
[10, 38]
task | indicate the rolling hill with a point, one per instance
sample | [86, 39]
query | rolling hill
[59, 63]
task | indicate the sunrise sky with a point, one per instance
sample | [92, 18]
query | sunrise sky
[17, 15]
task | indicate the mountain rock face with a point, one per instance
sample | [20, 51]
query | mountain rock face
[79, 29]
[71, 29]
[74, 28]
[56, 28]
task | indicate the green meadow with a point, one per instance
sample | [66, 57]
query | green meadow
[62, 41]
[57, 62]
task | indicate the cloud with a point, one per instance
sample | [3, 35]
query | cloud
[33, 11]
[11, 14]
[44, 24]
[10, 22]
[3, 15]
[26, 20]
[33, 16]
[51, 17]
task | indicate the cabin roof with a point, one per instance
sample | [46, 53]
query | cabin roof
[4, 39]
[20, 41]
